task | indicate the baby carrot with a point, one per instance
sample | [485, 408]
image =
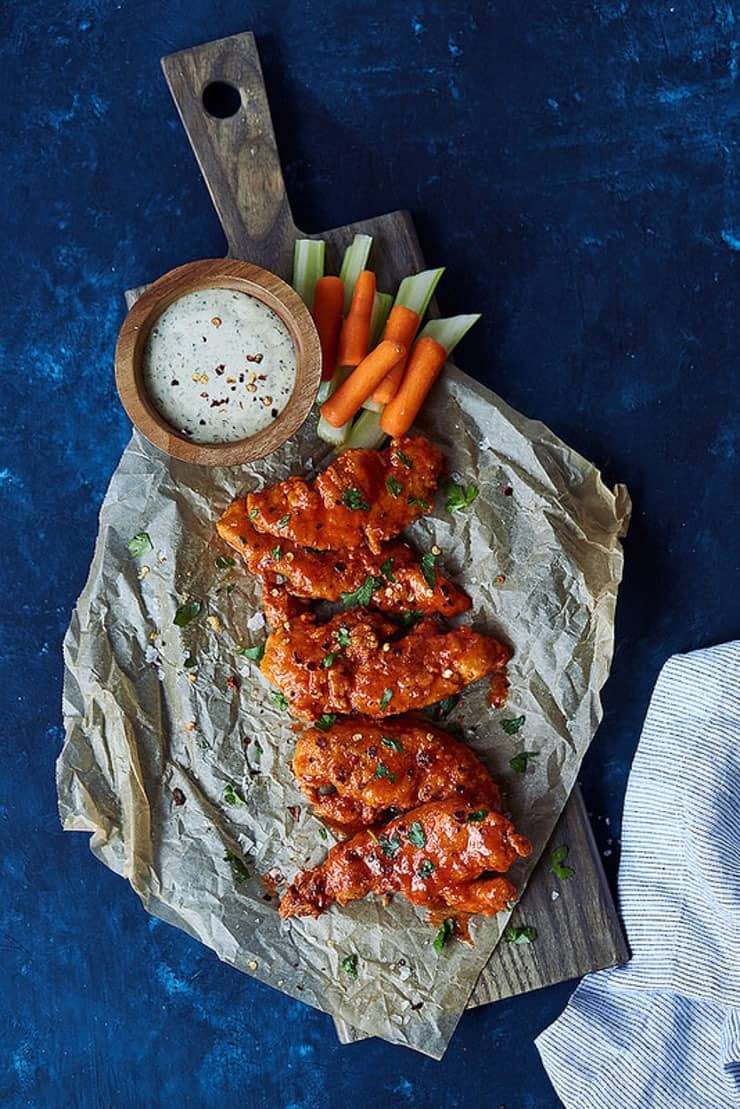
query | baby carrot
[426, 360]
[328, 304]
[402, 325]
[356, 327]
[343, 404]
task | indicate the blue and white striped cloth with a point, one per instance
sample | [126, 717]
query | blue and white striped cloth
[663, 1032]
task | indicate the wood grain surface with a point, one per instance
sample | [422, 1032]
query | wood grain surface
[579, 931]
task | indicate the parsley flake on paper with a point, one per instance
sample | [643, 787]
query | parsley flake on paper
[459, 496]
[186, 613]
[447, 929]
[512, 725]
[139, 544]
[519, 762]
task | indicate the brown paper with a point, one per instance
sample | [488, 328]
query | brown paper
[542, 566]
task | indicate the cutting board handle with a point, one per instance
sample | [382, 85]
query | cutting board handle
[221, 97]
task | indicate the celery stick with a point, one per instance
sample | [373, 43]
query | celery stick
[381, 310]
[355, 260]
[449, 331]
[325, 430]
[417, 290]
[308, 267]
[366, 432]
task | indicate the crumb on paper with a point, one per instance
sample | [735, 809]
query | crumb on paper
[215, 623]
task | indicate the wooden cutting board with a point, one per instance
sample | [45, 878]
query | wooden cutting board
[578, 928]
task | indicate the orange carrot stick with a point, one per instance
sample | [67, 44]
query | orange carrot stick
[402, 325]
[328, 305]
[359, 385]
[426, 360]
[356, 327]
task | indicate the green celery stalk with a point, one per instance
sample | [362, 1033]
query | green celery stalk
[366, 432]
[449, 331]
[355, 260]
[325, 430]
[308, 266]
[381, 310]
[416, 290]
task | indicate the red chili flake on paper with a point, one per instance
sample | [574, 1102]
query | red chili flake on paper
[220, 368]
[204, 395]
[233, 683]
[255, 357]
[295, 811]
[178, 796]
[508, 491]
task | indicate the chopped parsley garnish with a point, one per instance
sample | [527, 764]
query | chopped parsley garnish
[328, 660]
[519, 762]
[343, 637]
[411, 501]
[349, 965]
[408, 619]
[232, 796]
[386, 568]
[512, 725]
[393, 486]
[279, 698]
[382, 771]
[426, 869]
[390, 847]
[477, 817]
[556, 863]
[328, 720]
[253, 653]
[405, 459]
[385, 700]
[230, 588]
[190, 662]
[323, 832]
[447, 929]
[139, 544]
[276, 553]
[394, 744]
[238, 868]
[186, 613]
[284, 520]
[363, 594]
[354, 500]
[253, 512]
[520, 933]
[223, 562]
[416, 834]
[443, 708]
[459, 496]
[429, 569]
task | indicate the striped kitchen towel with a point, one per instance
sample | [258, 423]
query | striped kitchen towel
[663, 1032]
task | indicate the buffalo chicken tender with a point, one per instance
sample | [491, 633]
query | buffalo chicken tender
[441, 856]
[361, 771]
[391, 580]
[364, 497]
[357, 663]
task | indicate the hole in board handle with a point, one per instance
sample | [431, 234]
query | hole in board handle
[221, 100]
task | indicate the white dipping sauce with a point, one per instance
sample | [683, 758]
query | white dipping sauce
[219, 365]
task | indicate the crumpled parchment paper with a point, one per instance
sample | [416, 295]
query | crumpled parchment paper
[542, 565]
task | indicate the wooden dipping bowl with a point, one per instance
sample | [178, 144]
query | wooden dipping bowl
[217, 274]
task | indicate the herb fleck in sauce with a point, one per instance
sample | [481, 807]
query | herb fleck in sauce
[219, 382]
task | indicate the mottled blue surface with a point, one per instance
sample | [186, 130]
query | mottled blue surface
[575, 165]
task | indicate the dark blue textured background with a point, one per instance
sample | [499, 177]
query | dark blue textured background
[575, 166]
